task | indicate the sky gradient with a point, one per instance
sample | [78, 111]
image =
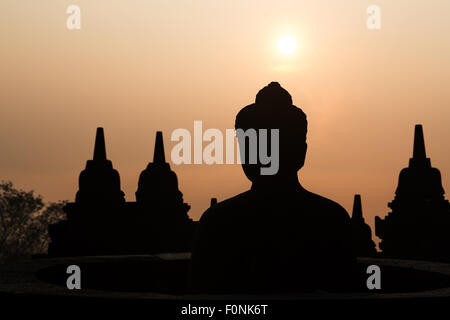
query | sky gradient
[138, 66]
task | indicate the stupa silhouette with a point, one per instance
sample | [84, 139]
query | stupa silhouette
[418, 225]
[101, 222]
[363, 244]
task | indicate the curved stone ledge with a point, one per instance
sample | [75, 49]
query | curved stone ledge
[162, 277]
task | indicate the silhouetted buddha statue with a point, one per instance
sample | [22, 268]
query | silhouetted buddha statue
[276, 237]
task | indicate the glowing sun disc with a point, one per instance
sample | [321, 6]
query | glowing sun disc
[287, 45]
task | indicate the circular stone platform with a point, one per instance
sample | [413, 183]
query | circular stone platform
[163, 276]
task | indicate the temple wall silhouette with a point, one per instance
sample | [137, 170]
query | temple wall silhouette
[419, 223]
[101, 222]
[293, 239]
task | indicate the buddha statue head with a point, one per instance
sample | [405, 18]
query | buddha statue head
[273, 109]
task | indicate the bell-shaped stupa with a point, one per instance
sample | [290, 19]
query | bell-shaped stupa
[100, 222]
[363, 244]
[158, 184]
[99, 182]
[418, 225]
[168, 225]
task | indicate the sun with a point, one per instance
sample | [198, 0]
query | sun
[287, 45]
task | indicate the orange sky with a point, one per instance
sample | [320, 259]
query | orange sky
[140, 66]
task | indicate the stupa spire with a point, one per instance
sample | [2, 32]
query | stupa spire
[158, 155]
[419, 143]
[357, 208]
[99, 149]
